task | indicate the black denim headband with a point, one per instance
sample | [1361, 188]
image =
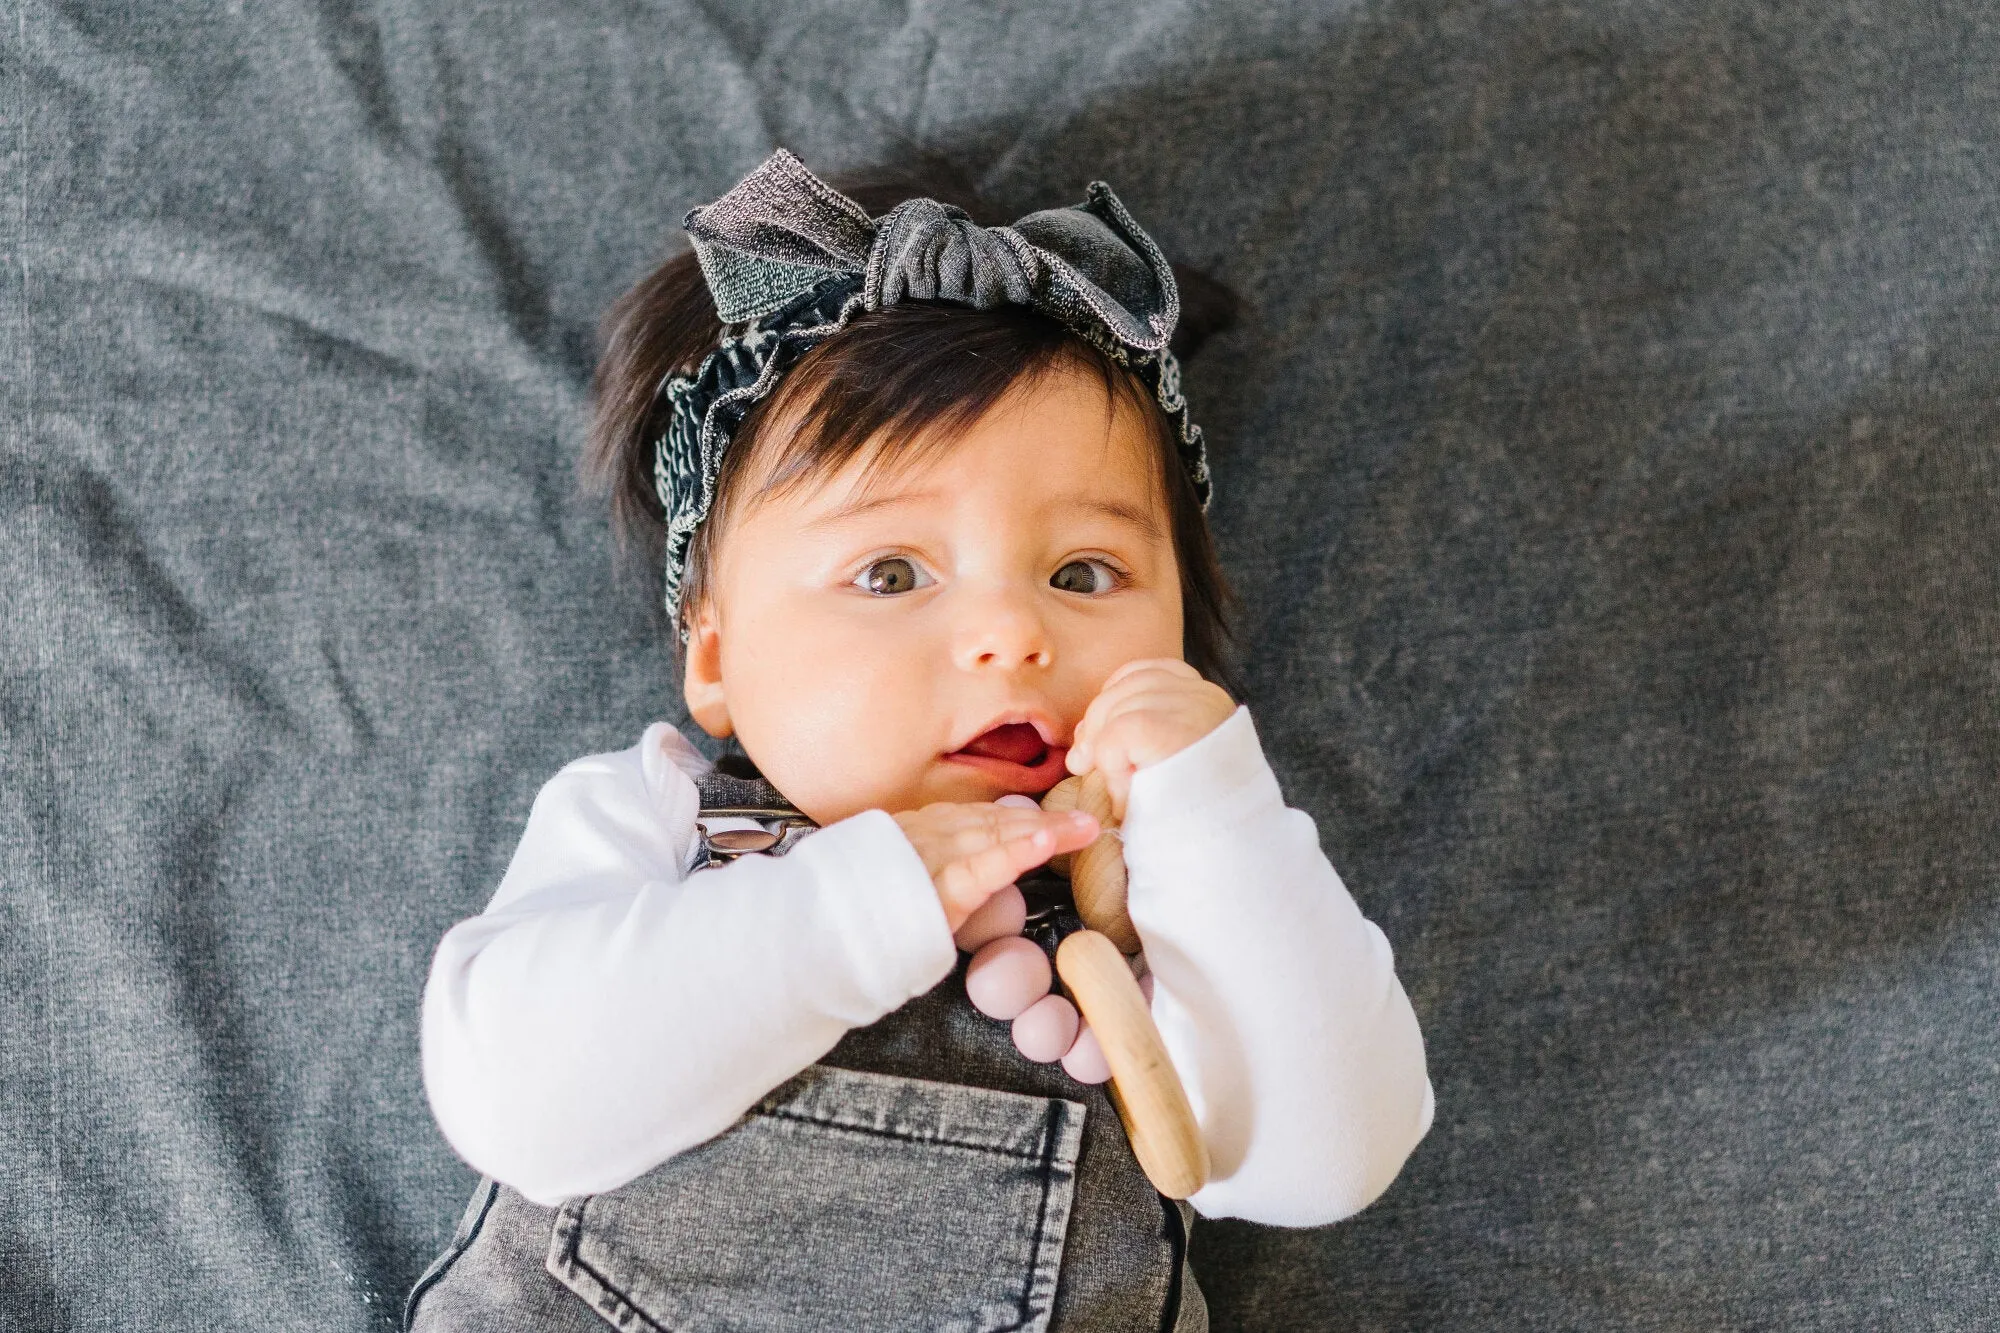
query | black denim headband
[791, 260]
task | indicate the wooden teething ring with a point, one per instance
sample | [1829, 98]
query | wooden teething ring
[1144, 1085]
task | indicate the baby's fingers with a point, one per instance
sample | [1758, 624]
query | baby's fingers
[1141, 674]
[965, 830]
[989, 860]
[971, 877]
[971, 851]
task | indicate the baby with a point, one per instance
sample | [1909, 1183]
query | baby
[930, 509]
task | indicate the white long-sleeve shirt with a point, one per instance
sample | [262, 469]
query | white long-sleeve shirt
[608, 1010]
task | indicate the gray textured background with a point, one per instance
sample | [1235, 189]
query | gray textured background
[1607, 458]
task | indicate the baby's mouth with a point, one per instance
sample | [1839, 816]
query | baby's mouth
[1017, 753]
[1017, 742]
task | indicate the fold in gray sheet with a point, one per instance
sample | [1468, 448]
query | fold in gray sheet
[1607, 459]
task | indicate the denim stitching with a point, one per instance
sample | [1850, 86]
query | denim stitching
[609, 1301]
[1041, 1221]
[435, 1274]
[781, 1114]
[618, 1306]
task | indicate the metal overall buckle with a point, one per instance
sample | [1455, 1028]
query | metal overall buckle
[1052, 914]
[777, 832]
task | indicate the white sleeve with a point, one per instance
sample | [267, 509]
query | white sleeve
[1276, 998]
[605, 1013]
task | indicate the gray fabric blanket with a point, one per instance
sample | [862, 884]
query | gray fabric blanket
[1606, 457]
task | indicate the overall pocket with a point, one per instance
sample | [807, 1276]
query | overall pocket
[842, 1200]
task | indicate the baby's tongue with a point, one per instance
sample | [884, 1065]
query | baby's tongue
[1017, 742]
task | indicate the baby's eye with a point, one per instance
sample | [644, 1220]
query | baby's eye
[1085, 576]
[897, 574]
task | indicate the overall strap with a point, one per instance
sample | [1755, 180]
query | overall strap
[775, 825]
[720, 790]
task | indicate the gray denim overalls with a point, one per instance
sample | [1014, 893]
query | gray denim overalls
[923, 1175]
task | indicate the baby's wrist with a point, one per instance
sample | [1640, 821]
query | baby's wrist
[1188, 731]
[1215, 782]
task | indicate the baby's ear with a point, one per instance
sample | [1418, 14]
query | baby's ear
[701, 680]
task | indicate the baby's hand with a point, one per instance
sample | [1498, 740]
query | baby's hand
[975, 849]
[1009, 978]
[1147, 710]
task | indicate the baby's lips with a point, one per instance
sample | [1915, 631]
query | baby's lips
[1014, 742]
[1046, 771]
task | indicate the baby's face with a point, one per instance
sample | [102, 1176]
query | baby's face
[858, 638]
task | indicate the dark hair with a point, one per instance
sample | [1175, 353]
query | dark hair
[916, 373]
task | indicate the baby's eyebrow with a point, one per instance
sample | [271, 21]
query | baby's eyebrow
[860, 505]
[1143, 519]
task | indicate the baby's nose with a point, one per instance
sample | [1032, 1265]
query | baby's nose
[1001, 634]
[1037, 656]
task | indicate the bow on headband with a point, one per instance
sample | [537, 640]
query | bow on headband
[793, 260]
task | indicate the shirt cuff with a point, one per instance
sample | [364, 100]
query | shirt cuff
[1209, 787]
[893, 925]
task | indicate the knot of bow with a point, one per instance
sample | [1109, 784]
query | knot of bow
[782, 232]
